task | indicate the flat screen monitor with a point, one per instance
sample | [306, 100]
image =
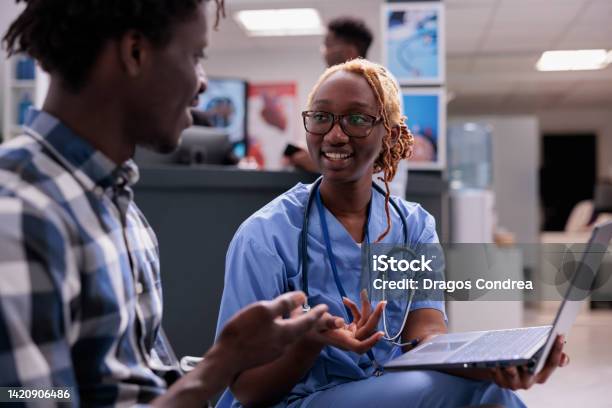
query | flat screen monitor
[198, 145]
[223, 106]
[205, 145]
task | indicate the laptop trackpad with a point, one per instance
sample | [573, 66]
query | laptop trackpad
[443, 346]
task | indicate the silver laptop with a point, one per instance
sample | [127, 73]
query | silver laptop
[501, 348]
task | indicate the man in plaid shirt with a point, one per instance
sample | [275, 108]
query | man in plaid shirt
[80, 296]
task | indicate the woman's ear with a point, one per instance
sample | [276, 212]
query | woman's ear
[395, 134]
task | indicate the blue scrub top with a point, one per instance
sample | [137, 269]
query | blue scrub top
[262, 262]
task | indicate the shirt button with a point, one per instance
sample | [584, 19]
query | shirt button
[139, 288]
[99, 191]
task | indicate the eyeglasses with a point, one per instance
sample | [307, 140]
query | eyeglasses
[358, 125]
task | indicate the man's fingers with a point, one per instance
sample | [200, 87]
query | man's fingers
[285, 303]
[353, 308]
[322, 323]
[295, 327]
[329, 322]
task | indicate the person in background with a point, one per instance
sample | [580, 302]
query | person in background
[348, 38]
[80, 293]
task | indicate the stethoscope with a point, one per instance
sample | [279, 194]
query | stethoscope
[315, 196]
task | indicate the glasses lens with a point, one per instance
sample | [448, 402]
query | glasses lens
[318, 122]
[357, 125]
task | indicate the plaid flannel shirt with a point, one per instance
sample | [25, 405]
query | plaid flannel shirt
[80, 295]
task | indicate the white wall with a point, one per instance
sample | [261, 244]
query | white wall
[516, 147]
[604, 146]
[8, 12]
[517, 142]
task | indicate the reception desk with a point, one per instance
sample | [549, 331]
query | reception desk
[195, 212]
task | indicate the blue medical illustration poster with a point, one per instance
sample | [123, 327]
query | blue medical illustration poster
[413, 42]
[425, 113]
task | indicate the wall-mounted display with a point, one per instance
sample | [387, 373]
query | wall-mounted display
[413, 42]
[25, 86]
[223, 106]
[425, 109]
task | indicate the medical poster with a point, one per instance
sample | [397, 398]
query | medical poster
[223, 106]
[272, 110]
[425, 109]
[413, 42]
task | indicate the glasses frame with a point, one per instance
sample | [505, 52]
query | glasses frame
[338, 119]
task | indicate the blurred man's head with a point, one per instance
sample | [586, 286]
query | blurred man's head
[347, 38]
[142, 56]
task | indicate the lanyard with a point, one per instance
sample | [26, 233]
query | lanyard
[332, 262]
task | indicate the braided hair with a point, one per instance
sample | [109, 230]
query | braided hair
[386, 92]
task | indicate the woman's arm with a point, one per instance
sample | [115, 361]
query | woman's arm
[422, 324]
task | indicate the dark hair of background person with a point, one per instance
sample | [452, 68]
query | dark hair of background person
[352, 31]
[66, 36]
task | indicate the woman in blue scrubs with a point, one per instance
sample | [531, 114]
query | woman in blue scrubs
[354, 128]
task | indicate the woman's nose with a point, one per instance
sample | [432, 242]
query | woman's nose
[336, 135]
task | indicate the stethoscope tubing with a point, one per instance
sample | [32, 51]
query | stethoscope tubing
[303, 259]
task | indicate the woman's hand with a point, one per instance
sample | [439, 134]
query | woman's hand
[359, 336]
[365, 322]
[344, 338]
[517, 378]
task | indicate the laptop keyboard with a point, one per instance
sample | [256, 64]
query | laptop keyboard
[500, 345]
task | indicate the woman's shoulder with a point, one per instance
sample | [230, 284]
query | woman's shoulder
[411, 209]
[420, 221]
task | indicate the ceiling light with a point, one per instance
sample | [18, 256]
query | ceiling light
[573, 60]
[298, 21]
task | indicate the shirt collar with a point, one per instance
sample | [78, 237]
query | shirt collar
[376, 225]
[91, 167]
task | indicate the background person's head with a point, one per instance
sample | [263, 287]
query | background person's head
[140, 56]
[372, 137]
[347, 38]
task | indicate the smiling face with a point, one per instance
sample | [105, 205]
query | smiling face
[170, 85]
[340, 157]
